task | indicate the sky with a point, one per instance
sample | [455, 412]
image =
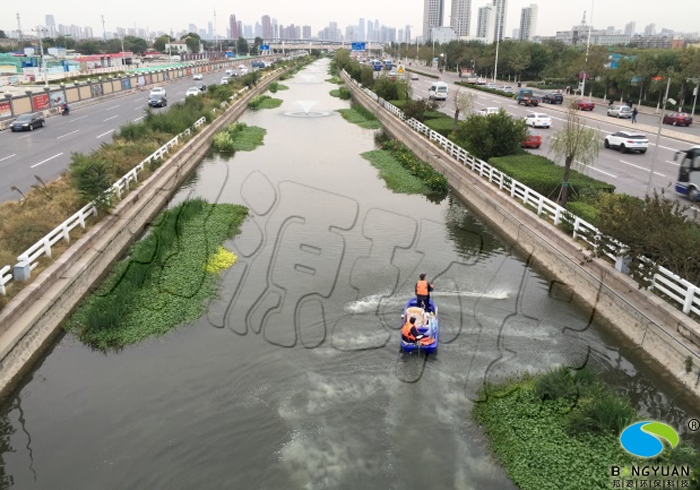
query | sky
[178, 14]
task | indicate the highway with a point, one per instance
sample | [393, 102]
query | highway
[46, 152]
[628, 172]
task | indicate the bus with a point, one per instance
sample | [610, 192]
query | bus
[688, 183]
[377, 65]
[387, 64]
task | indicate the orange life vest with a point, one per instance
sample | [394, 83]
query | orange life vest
[406, 331]
[422, 288]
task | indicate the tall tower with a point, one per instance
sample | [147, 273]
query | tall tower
[501, 11]
[528, 22]
[461, 17]
[485, 22]
[432, 16]
[266, 27]
[233, 26]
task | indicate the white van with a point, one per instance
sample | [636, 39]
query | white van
[438, 91]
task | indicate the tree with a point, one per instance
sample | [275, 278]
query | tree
[464, 103]
[160, 42]
[135, 44]
[256, 45]
[575, 142]
[3, 35]
[495, 135]
[193, 41]
[242, 45]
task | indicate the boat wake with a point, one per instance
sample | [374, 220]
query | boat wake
[370, 303]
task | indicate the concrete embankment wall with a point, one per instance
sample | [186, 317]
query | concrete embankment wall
[29, 321]
[647, 323]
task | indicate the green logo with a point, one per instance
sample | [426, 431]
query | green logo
[642, 438]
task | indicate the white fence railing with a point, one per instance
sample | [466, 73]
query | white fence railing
[676, 289]
[43, 247]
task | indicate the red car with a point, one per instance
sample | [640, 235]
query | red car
[584, 105]
[532, 142]
[678, 119]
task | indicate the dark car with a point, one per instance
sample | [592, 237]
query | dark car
[157, 100]
[27, 122]
[201, 86]
[553, 98]
[678, 119]
[584, 105]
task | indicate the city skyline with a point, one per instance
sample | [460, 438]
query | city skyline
[549, 20]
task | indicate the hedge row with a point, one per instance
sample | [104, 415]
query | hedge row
[544, 176]
[485, 89]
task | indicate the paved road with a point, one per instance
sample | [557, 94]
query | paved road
[646, 115]
[46, 152]
[629, 172]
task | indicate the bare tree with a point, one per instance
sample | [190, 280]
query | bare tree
[575, 142]
[464, 103]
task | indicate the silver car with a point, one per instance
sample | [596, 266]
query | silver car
[620, 111]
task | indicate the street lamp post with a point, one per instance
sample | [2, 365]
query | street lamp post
[39, 32]
[588, 44]
[498, 41]
[658, 137]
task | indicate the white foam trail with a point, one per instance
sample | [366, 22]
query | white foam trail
[370, 303]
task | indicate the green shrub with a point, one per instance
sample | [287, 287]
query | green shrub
[584, 210]
[388, 89]
[602, 412]
[238, 137]
[485, 89]
[443, 125]
[490, 136]
[544, 176]
[91, 177]
[264, 102]
[434, 180]
[556, 384]
[358, 114]
[223, 142]
[418, 109]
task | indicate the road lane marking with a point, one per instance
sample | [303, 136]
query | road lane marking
[139, 118]
[667, 161]
[78, 118]
[110, 108]
[44, 161]
[25, 136]
[8, 157]
[103, 134]
[110, 118]
[641, 168]
[68, 134]
[602, 172]
[140, 107]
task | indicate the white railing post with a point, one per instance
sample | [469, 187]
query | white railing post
[689, 297]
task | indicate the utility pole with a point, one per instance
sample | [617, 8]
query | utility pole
[39, 31]
[19, 28]
[216, 37]
[104, 32]
[499, 8]
[588, 44]
[658, 136]
[695, 96]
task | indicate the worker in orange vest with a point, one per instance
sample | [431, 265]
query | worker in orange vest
[423, 289]
[409, 332]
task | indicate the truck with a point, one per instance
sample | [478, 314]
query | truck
[526, 97]
[377, 65]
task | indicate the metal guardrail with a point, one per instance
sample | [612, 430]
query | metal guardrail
[674, 288]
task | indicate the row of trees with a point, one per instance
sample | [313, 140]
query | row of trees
[135, 44]
[560, 65]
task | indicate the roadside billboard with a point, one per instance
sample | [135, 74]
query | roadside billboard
[41, 102]
[5, 109]
[58, 98]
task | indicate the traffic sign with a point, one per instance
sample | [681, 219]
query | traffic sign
[400, 68]
[264, 47]
[358, 46]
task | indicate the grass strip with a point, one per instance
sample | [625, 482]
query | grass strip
[560, 430]
[397, 178]
[238, 137]
[430, 75]
[342, 93]
[166, 279]
[335, 80]
[276, 86]
[264, 102]
[357, 114]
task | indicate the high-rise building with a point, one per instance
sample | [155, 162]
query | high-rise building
[87, 32]
[516, 33]
[334, 34]
[239, 28]
[306, 32]
[361, 30]
[401, 38]
[258, 29]
[461, 17]
[432, 16]
[408, 34]
[266, 27]
[233, 26]
[528, 22]
[210, 30]
[485, 22]
[370, 31]
[501, 11]
[650, 30]
[248, 31]
[50, 26]
[629, 28]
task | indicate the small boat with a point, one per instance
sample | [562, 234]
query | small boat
[427, 324]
